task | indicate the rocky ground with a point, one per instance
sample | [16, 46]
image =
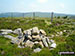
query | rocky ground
[39, 37]
[29, 38]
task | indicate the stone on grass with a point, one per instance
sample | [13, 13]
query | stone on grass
[53, 45]
[37, 50]
[9, 37]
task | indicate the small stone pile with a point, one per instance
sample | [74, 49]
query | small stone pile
[30, 37]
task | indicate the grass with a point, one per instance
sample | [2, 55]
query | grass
[63, 43]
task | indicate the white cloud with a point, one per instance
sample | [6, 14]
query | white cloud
[42, 1]
[62, 5]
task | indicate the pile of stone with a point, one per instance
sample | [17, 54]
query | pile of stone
[30, 37]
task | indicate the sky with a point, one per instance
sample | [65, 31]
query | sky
[57, 6]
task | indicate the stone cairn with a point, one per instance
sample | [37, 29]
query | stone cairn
[30, 37]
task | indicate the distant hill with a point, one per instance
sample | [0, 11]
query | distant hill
[30, 14]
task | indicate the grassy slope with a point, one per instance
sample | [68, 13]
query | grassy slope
[64, 43]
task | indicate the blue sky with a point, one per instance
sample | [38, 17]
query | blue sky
[57, 6]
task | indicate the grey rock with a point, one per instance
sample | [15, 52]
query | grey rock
[42, 32]
[9, 37]
[35, 30]
[29, 43]
[44, 42]
[53, 45]
[37, 50]
[48, 41]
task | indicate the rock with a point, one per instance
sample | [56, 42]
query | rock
[36, 42]
[28, 31]
[29, 44]
[4, 33]
[64, 30]
[19, 32]
[20, 46]
[57, 35]
[48, 41]
[35, 31]
[1, 34]
[42, 32]
[58, 32]
[36, 37]
[61, 32]
[44, 42]
[53, 45]
[5, 30]
[41, 44]
[37, 50]
[52, 36]
[16, 41]
[52, 41]
[9, 37]
[29, 37]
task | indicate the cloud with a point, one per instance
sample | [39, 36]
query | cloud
[62, 5]
[42, 1]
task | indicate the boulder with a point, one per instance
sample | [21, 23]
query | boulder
[4, 33]
[64, 30]
[61, 32]
[6, 30]
[52, 41]
[36, 37]
[19, 32]
[28, 31]
[16, 41]
[29, 37]
[48, 41]
[41, 44]
[52, 36]
[37, 50]
[29, 43]
[35, 31]
[44, 42]
[53, 45]
[36, 42]
[42, 32]
[9, 37]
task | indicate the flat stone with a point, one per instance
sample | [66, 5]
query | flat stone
[35, 31]
[29, 44]
[37, 50]
[42, 32]
[53, 45]
[44, 42]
